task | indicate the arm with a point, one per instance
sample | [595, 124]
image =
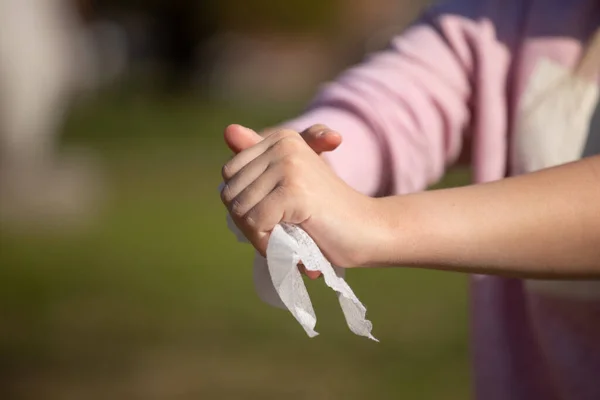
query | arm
[541, 225]
[403, 112]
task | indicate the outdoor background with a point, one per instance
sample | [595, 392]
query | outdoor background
[153, 298]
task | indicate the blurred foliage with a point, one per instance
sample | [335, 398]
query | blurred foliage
[156, 300]
[285, 17]
[256, 16]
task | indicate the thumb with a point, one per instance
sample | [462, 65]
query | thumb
[239, 138]
[321, 139]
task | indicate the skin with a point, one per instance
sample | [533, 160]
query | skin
[544, 225]
[319, 138]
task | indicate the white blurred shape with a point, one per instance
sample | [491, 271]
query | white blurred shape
[46, 57]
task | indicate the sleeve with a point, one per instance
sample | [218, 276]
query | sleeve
[403, 112]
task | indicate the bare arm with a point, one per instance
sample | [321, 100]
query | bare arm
[540, 225]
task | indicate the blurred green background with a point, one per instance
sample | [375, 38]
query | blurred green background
[154, 298]
[156, 301]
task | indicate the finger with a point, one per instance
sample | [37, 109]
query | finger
[243, 178]
[301, 269]
[242, 159]
[239, 138]
[233, 166]
[309, 274]
[251, 195]
[245, 140]
[313, 275]
[321, 139]
[257, 223]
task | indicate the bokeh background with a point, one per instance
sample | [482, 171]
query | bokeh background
[143, 293]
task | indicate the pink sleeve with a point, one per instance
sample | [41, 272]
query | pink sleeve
[403, 112]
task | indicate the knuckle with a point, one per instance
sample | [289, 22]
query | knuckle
[291, 187]
[294, 187]
[251, 220]
[291, 144]
[236, 208]
[291, 165]
[280, 191]
[257, 219]
[226, 194]
[226, 171]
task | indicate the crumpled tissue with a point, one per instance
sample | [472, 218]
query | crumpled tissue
[279, 283]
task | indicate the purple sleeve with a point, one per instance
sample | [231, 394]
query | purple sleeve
[403, 112]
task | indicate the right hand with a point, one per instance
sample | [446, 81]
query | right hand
[319, 137]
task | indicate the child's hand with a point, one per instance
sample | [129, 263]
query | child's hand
[318, 137]
[281, 179]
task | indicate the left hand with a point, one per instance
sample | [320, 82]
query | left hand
[281, 179]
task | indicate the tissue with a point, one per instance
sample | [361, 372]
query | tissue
[279, 283]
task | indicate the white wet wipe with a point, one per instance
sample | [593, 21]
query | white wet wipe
[279, 283]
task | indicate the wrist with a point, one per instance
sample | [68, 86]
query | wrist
[406, 233]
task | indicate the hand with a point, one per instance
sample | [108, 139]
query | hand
[319, 137]
[281, 179]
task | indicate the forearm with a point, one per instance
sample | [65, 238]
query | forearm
[541, 225]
